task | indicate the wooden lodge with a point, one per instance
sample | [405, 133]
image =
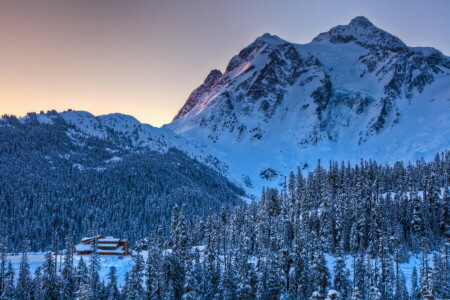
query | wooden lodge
[106, 245]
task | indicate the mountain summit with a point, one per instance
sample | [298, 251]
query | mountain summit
[364, 33]
[354, 91]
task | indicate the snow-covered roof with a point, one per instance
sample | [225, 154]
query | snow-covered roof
[109, 239]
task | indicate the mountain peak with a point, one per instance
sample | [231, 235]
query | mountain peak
[361, 21]
[363, 33]
[270, 38]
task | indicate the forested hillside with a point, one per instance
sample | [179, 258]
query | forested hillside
[369, 218]
[53, 185]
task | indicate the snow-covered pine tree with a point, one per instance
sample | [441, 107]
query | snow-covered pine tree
[24, 288]
[153, 284]
[94, 267]
[126, 287]
[173, 234]
[136, 278]
[37, 284]
[386, 284]
[113, 292]
[81, 274]
[341, 281]
[9, 292]
[68, 278]
[261, 275]
[49, 280]
[319, 271]
[401, 292]
[440, 275]
[426, 272]
[360, 279]
[173, 277]
[273, 283]
[190, 288]
[415, 289]
[3, 265]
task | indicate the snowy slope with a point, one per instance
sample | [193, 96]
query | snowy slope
[354, 92]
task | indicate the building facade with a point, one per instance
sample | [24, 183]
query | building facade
[106, 245]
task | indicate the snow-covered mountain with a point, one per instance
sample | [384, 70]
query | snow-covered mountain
[353, 92]
[125, 132]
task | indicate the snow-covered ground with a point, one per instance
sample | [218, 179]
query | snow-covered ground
[124, 265]
[36, 259]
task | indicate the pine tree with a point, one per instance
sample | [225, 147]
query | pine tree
[112, 289]
[274, 285]
[3, 264]
[153, 288]
[84, 292]
[415, 290]
[37, 284]
[401, 292]
[126, 289]
[82, 274]
[173, 276]
[361, 275]
[49, 279]
[341, 281]
[301, 280]
[261, 275]
[320, 273]
[182, 238]
[440, 277]
[227, 285]
[94, 267]
[9, 292]
[25, 282]
[190, 284]
[244, 289]
[426, 272]
[174, 226]
[387, 275]
[418, 227]
[68, 279]
[136, 277]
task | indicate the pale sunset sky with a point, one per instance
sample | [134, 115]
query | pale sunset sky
[144, 57]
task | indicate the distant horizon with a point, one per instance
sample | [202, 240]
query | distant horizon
[134, 59]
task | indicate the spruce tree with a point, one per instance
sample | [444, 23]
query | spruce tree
[341, 281]
[82, 274]
[415, 290]
[94, 267]
[136, 278]
[37, 284]
[320, 273]
[113, 292]
[68, 279]
[49, 279]
[25, 282]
